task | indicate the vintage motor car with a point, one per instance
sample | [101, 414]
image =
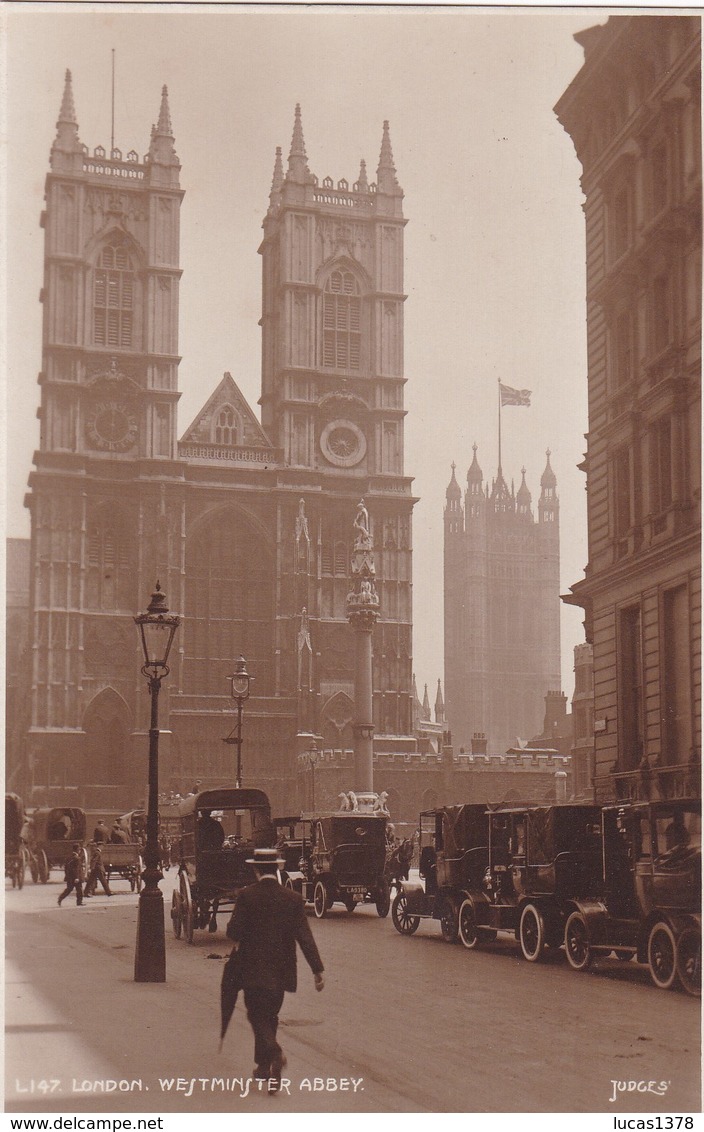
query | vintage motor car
[218, 831]
[341, 858]
[644, 894]
[56, 829]
[453, 857]
[539, 858]
[16, 852]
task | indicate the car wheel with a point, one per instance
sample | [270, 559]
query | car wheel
[320, 899]
[531, 933]
[689, 961]
[467, 925]
[577, 946]
[662, 952]
[448, 921]
[403, 921]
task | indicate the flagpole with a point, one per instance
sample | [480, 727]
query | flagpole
[499, 381]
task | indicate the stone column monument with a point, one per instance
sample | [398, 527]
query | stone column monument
[362, 613]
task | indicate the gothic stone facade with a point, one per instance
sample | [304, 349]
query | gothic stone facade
[633, 112]
[502, 608]
[247, 526]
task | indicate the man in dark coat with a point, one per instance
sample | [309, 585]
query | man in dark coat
[119, 834]
[74, 875]
[265, 926]
[100, 833]
[96, 873]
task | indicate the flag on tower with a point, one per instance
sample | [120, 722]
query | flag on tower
[511, 396]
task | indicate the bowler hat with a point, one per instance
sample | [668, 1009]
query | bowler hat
[264, 857]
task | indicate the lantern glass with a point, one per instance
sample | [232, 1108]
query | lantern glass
[157, 637]
[240, 686]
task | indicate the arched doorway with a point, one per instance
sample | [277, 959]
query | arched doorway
[107, 724]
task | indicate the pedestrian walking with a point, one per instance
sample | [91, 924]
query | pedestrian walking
[96, 872]
[267, 922]
[74, 875]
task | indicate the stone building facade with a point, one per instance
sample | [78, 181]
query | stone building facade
[248, 526]
[633, 113]
[502, 607]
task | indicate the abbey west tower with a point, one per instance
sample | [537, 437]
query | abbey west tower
[332, 401]
[502, 608]
[247, 526]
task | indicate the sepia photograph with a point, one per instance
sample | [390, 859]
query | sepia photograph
[352, 438]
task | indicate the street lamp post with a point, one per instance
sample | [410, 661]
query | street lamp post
[157, 628]
[239, 690]
[313, 755]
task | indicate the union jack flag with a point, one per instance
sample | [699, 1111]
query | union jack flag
[511, 396]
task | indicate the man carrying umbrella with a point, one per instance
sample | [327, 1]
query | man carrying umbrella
[265, 926]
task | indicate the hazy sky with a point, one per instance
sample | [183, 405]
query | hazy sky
[494, 244]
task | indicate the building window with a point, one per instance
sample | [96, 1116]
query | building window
[661, 466]
[661, 306]
[113, 298]
[622, 497]
[630, 689]
[623, 349]
[227, 426]
[342, 321]
[110, 575]
[621, 221]
[677, 677]
[659, 178]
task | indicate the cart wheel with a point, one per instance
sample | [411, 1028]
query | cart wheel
[403, 921]
[176, 913]
[577, 945]
[320, 899]
[43, 864]
[350, 903]
[448, 920]
[186, 909]
[138, 878]
[689, 961]
[289, 885]
[383, 900]
[662, 951]
[531, 933]
[467, 925]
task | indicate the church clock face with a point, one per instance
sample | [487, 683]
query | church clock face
[111, 426]
[343, 443]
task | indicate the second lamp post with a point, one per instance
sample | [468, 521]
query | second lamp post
[239, 689]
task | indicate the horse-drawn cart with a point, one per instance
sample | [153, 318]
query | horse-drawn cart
[56, 830]
[125, 861]
[218, 832]
[16, 854]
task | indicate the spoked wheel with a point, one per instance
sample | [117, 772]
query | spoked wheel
[176, 913]
[531, 933]
[688, 961]
[350, 903]
[467, 925]
[320, 899]
[448, 921]
[403, 921]
[186, 909]
[43, 866]
[383, 900]
[662, 951]
[577, 945]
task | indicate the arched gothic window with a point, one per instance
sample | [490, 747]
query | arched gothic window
[227, 426]
[110, 556]
[342, 321]
[229, 606]
[114, 298]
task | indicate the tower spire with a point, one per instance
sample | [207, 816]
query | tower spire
[161, 146]
[277, 181]
[66, 143]
[362, 185]
[386, 172]
[439, 705]
[297, 161]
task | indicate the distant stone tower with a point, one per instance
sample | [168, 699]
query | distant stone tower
[332, 403]
[502, 607]
[104, 526]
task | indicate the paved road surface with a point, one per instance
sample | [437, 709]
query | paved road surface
[419, 1025]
